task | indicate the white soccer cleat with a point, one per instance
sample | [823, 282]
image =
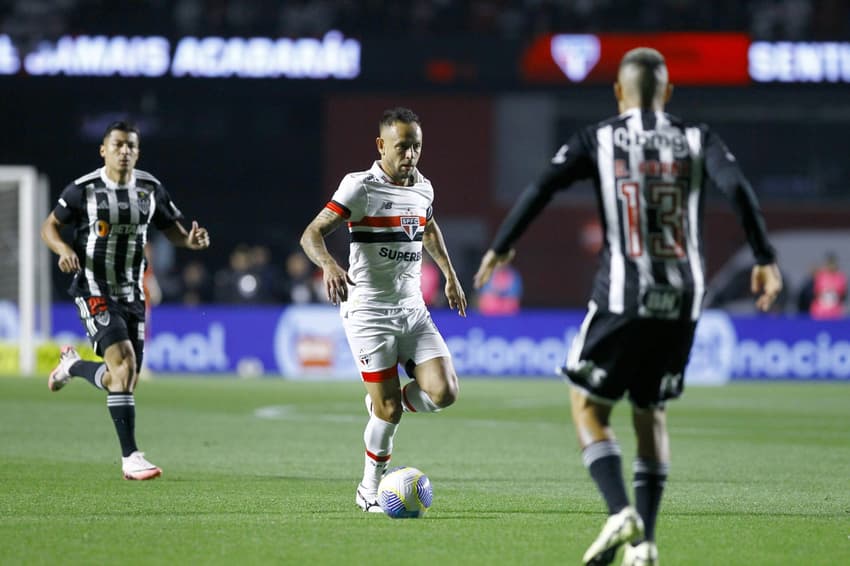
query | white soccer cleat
[135, 467]
[61, 374]
[644, 554]
[625, 526]
[367, 501]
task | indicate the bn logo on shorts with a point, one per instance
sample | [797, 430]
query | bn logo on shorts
[410, 225]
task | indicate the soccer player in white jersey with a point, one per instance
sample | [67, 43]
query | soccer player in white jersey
[111, 210]
[390, 219]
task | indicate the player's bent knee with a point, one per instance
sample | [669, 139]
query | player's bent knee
[447, 394]
[122, 375]
[389, 410]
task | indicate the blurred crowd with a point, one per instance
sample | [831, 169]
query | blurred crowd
[254, 276]
[251, 276]
[513, 19]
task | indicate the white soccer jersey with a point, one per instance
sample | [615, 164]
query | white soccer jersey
[386, 222]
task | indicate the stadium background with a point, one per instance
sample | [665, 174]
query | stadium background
[261, 471]
[254, 157]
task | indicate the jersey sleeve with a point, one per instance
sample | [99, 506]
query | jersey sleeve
[572, 162]
[69, 205]
[349, 200]
[723, 170]
[166, 212]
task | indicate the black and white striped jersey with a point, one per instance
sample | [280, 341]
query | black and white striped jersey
[111, 228]
[650, 171]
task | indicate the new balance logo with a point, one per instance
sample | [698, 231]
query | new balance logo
[387, 205]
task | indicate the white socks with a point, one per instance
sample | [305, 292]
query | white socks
[378, 437]
[414, 400]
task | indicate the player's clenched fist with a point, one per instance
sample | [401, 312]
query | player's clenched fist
[69, 262]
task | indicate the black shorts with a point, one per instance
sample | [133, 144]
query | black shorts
[108, 322]
[646, 357]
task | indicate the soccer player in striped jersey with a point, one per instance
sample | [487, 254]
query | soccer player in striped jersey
[650, 171]
[110, 210]
[390, 220]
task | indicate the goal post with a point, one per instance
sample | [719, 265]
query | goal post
[25, 279]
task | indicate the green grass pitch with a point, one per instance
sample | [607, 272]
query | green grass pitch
[264, 472]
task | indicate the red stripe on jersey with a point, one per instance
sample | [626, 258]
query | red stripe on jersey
[383, 221]
[405, 401]
[380, 375]
[377, 458]
[334, 207]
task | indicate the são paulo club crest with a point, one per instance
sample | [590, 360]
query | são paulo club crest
[365, 359]
[410, 225]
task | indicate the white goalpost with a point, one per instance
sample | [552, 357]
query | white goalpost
[25, 277]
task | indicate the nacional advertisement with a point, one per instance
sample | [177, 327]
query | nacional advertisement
[308, 342]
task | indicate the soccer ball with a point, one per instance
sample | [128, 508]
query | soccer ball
[405, 493]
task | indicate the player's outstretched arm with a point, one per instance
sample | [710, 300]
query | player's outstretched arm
[489, 263]
[197, 238]
[313, 243]
[435, 245]
[766, 282]
[68, 260]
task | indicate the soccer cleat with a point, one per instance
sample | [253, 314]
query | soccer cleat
[622, 527]
[644, 554]
[135, 467]
[366, 501]
[61, 374]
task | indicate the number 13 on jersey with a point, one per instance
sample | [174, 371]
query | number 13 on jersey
[656, 219]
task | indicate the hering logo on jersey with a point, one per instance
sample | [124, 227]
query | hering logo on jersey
[410, 225]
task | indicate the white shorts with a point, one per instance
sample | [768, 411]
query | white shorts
[380, 339]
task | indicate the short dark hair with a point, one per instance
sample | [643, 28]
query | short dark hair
[648, 62]
[644, 57]
[398, 114]
[121, 126]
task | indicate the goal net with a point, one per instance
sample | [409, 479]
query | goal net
[25, 276]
